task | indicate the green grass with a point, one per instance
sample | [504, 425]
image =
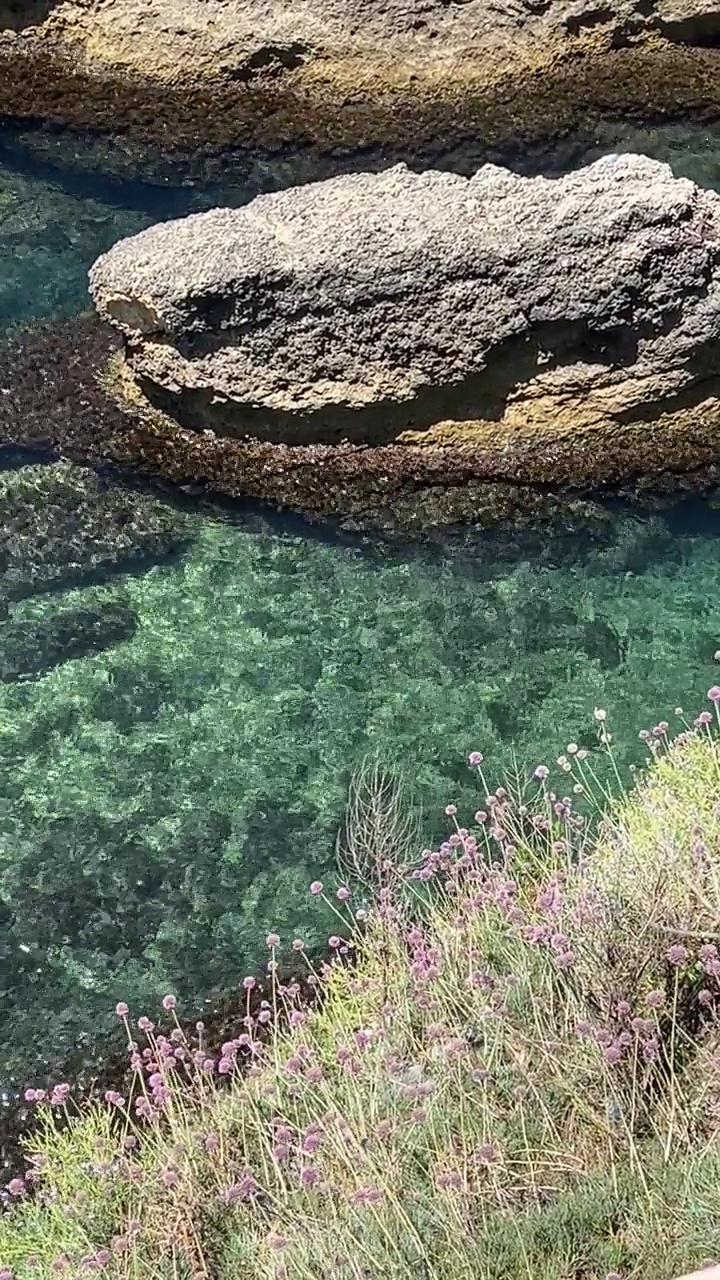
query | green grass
[518, 1074]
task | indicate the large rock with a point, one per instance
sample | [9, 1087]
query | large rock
[501, 328]
[405, 73]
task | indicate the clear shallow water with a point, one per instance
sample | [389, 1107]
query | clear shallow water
[175, 757]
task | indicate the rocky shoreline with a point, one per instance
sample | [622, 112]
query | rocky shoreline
[332, 75]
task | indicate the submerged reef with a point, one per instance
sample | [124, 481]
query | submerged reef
[169, 793]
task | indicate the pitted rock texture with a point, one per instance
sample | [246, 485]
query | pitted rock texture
[410, 74]
[497, 317]
[252, 36]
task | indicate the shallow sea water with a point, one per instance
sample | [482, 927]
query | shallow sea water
[183, 698]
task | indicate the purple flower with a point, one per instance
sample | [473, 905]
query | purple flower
[475, 758]
[316, 888]
[450, 810]
[714, 693]
[6, 1273]
[272, 940]
[16, 1186]
[342, 894]
[367, 1195]
[309, 1177]
[240, 1191]
[486, 1154]
[144, 1107]
[612, 1053]
[121, 1009]
[169, 1177]
[169, 1003]
[298, 944]
[145, 1024]
[541, 773]
[114, 1098]
[676, 954]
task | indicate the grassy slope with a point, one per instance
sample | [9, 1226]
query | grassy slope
[519, 1076]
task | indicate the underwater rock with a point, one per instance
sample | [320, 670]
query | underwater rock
[62, 527]
[354, 73]
[29, 648]
[521, 330]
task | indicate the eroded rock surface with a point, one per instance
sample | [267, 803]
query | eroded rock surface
[408, 73]
[525, 329]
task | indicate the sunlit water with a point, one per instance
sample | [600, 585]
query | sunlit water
[176, 739]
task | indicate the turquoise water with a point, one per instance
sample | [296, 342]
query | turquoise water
[183, 698]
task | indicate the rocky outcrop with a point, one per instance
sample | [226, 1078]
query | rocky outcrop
[447, 330]
[415, 74]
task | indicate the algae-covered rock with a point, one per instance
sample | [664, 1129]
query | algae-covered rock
[499, 327]
[414, 73]
[61, 526]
